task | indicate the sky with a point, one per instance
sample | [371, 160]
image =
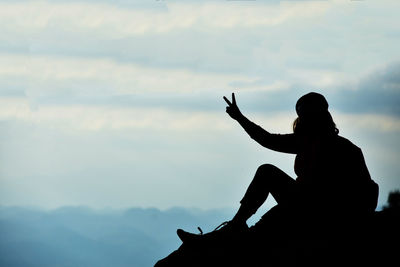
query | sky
[116, 104]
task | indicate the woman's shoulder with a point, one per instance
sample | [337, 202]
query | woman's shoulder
[345, 144]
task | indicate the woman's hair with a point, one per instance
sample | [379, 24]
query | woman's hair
[315, 124]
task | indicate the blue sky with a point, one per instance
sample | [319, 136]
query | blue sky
[119, 103]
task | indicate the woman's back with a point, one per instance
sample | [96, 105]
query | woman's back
[333, 170]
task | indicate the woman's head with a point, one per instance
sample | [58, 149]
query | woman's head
[313, 116]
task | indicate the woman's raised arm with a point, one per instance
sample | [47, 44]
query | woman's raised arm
[286, 143]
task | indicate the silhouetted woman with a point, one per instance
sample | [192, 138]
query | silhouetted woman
[332, 178]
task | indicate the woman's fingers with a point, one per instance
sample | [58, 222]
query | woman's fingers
[232, 109]
[227, 101]
[233, 103]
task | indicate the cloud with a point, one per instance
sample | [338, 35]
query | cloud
[375, 92]
[208, 36]
[49, 75]
[111, 20]
[77, 118]
[369, 122]
[301, 45]
[49, 81]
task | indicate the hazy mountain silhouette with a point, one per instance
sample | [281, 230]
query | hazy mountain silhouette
[79, 236]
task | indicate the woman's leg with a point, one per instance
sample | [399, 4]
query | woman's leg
[268, 179]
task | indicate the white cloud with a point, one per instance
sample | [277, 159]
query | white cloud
[97, 118]
[369, 122]
[256, 85]
[112, 21]
[78, 118]
[320, 78]
[46, 75]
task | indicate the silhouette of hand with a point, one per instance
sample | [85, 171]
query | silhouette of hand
[232, 109]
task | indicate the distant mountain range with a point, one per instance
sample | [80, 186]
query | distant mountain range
[80, 236]
[136, 237]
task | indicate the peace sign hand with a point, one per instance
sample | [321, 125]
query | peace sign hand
[232, 109]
